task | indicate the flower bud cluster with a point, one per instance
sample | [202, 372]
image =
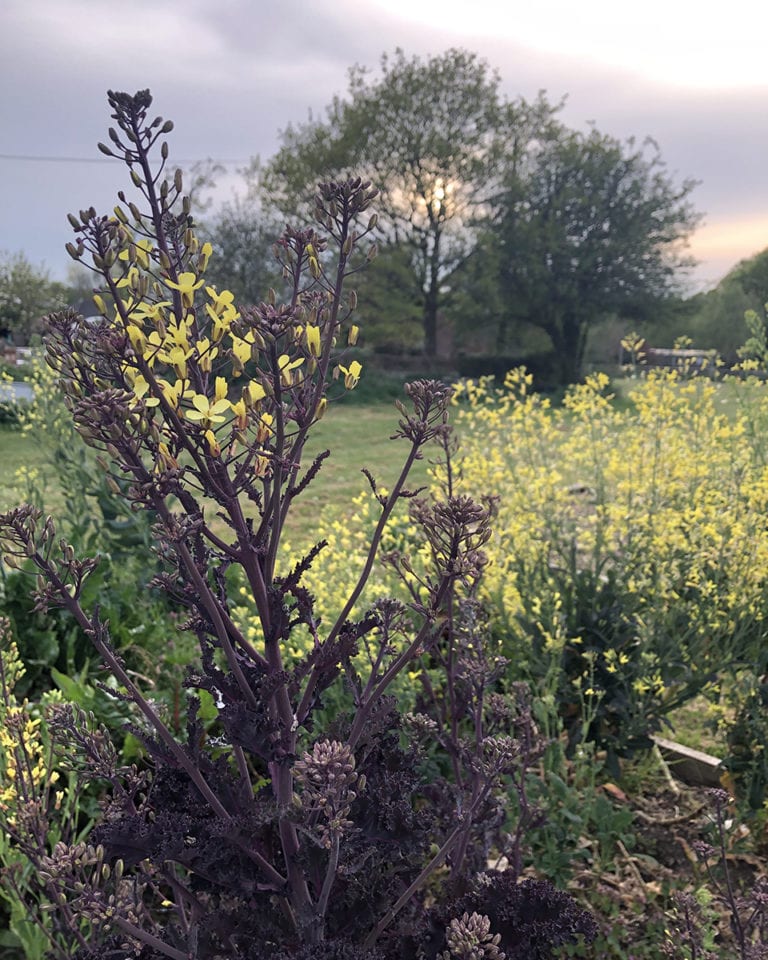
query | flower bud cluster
[469, 938]
[61, 573]
[327, 776]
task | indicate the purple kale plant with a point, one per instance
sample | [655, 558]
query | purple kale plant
[270, 832]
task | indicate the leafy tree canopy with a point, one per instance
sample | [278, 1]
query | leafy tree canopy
[26, 294]
[433, 136]
[589, 227]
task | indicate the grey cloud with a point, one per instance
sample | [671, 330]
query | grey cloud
[232, 74]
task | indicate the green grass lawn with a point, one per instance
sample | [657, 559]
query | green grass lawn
[19, 450]
[357, 436]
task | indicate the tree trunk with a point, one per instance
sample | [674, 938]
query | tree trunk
[432, 297]
[571, 349]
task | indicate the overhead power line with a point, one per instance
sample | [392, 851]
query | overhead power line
[27, 157]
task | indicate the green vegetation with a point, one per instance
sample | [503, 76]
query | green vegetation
[19, 450]
[711, 317]
[26, 293]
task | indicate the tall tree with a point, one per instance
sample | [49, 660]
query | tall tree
[588, 227]
[26, 294]
[432, 136]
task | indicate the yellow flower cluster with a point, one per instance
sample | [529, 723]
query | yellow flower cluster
[668, 494]
[190, 357]
[27, 769]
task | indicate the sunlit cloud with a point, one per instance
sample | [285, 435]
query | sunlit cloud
[722, 242]
[683, 43]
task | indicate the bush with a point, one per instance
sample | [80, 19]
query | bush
[628, 544]
[268, 833]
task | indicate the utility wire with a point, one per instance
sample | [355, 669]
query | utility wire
[41, 159]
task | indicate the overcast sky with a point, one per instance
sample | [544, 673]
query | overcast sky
[231, 73]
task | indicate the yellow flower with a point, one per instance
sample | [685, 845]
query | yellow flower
[138, 339]
[142, 250]
[149, 311]
[166, 460]
[206, 412]
[178, 333]
[186, 286]
[285, 366]
[213, 444]
[254, 392]
[241, 414]
[130, 279]
[261, 466]
[351, 374]
[313, 339]
[264, 428]
[174, 393]
[222, 312]
[221, 388]
[140, 389]
[242, 351]
[206, 354]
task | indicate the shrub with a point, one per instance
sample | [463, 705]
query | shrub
[628, 543]
[270, 834]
